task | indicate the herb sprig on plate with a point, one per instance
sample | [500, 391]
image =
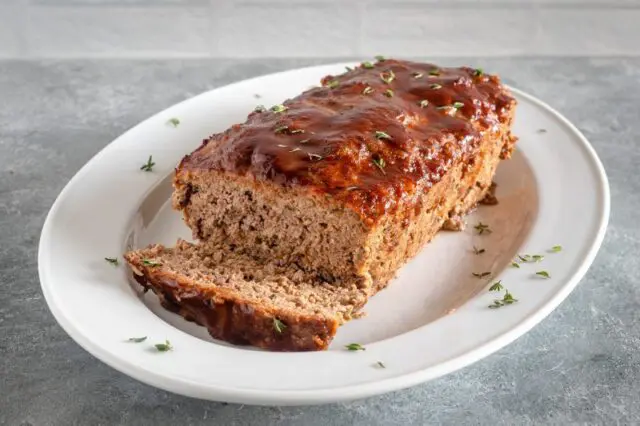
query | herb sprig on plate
[148, 167]
[355, 347]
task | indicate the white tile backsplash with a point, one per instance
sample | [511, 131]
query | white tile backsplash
[589, 32]
[317, 28]
[12, 22]
[282, 29]
[410, 30]
[68, 31]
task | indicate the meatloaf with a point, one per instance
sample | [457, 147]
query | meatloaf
[242, 301]
[350, 179]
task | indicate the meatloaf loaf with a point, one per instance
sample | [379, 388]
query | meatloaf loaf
[349, 180]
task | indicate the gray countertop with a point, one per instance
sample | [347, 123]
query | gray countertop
[580, 365]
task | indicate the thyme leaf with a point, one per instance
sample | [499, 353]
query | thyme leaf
[279, 108]
[163, 347]
[112, 260]
[482, 228]
[476, 250]
[278, 326]
[497, 286]
[382, 135]
[387, 76]
[148, 167]
[380, 163]
[355, 347]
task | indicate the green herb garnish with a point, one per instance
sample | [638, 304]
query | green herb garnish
[434, 71]
[481, 274]
[279, 108]
[435, 86]
[458, 105]
[388, 93]
[423, 103]
[137, 339]
[260, 108]
[481, 228]
[367, 90]
[476, 250]
[348, 69]
[163, 347]
[497, 286]
[380, 163]
[380, 58]
[355, 347]
[112, 260]
[173, 121]
[556, 249]
[507, 299]
[149, 166]
[382, 135]
[332, 84]
[368, 65]
[544, 274]
[387, 76]
[380, 364]
[281, 129]
[278, 325]
[527, 258]
[148, 262]
[515, 265]
[417, 75]
[478, 72]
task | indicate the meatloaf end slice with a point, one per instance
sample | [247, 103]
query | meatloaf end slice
[244, 302]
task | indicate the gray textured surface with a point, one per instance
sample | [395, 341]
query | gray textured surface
[581, 365]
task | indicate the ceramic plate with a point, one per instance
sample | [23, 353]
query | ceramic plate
[552, 192]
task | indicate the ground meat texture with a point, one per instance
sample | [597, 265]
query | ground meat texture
[243, 301]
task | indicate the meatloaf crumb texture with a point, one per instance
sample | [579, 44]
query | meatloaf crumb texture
[309, 208]
[239, 299]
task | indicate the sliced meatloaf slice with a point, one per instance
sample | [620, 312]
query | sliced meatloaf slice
[349, 180]
[245, 302]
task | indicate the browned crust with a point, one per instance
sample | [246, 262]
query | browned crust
[401, 236]
[231, 318]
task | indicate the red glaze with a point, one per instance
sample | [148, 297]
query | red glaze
[326, 138]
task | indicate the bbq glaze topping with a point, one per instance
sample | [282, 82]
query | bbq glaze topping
[369, 136]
